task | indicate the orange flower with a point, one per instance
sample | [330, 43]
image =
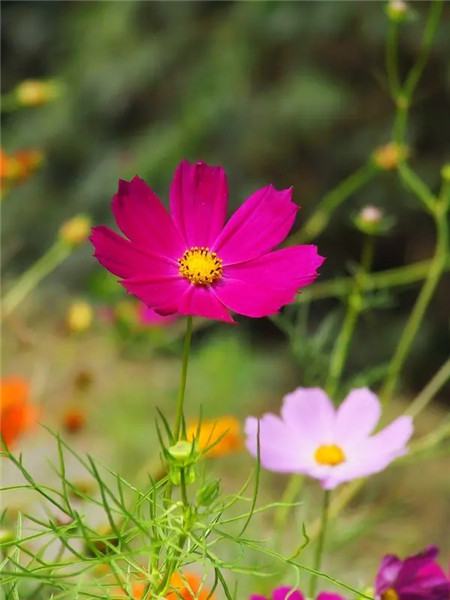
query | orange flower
[17, 414]
[17, 167]
[223, 434]
[74, 420]
[187, 586]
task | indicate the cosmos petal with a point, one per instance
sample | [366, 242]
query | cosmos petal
[260, 224]
[198, 202]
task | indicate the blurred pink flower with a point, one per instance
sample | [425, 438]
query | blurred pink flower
[417, 577]
[193, 263]
[287, 593]
[148, 317]
[333, 446]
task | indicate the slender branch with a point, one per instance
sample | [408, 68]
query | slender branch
[331, 201]
[354, 308]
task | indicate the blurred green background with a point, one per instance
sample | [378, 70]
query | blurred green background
[292, 93]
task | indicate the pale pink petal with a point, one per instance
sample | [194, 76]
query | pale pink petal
[310, 414]
[279, 449]
[125, 259]
[357, 416]
[373, 454]
[260, 224]
[201, 301]
[392, 440]
[144, 220]
[198, 202]
[262, 286]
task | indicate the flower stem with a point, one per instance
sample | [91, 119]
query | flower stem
[354, 308]
[435, 272]
[55, 255]
[320, 542]
[179, 421]
[331, 201]
[289, 496]
[404, 96]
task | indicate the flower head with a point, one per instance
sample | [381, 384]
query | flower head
[79, 316]
[193, 263]
[16, 413]
[186, 586]
[417, 577]
[76, 230]
[333, 446]
[217, 437]
[35, 92]
[288, 593]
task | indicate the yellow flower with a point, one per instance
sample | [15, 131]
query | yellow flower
[34, 92]
[76, 230]
[79, 316]
[389, 156]
[217, 437]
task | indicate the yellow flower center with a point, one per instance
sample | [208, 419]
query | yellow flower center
[390, 594]
[200, 266]
[331, 455]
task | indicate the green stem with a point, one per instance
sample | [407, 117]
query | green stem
[435, 272]
[182, 390]
[341, 286]
[54, 256]
[320, 542]
[291, 492]
[415, 184]
[404, 98]
[430, 390]
[392, 59]
[354, 308]
[331, 201]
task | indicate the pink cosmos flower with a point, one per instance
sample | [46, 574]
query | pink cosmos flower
[150, 318]
[417, 577]
[193, 263]
[287, 593]
[333, 446]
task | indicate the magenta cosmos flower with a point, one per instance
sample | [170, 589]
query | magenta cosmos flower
[333, 446]
[287, 593]
[193, 263]
[418, 577]
[150, 318]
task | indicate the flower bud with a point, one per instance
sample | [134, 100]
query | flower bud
[208, 493]
[6, 536]
[389, 156]
[182, 453]
[34, 92]
[445, 172]
[76, 230]
[79, 317]
[371, 220]
[397, 11]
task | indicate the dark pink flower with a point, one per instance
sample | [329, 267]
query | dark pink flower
[193, 263]
[288, 593]
[417, 577]
[150, 318]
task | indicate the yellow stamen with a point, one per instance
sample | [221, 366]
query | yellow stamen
[390, 594]
[331, 455]
[200, 266]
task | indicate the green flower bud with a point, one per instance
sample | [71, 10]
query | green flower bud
[208, 493]
[372, 221]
